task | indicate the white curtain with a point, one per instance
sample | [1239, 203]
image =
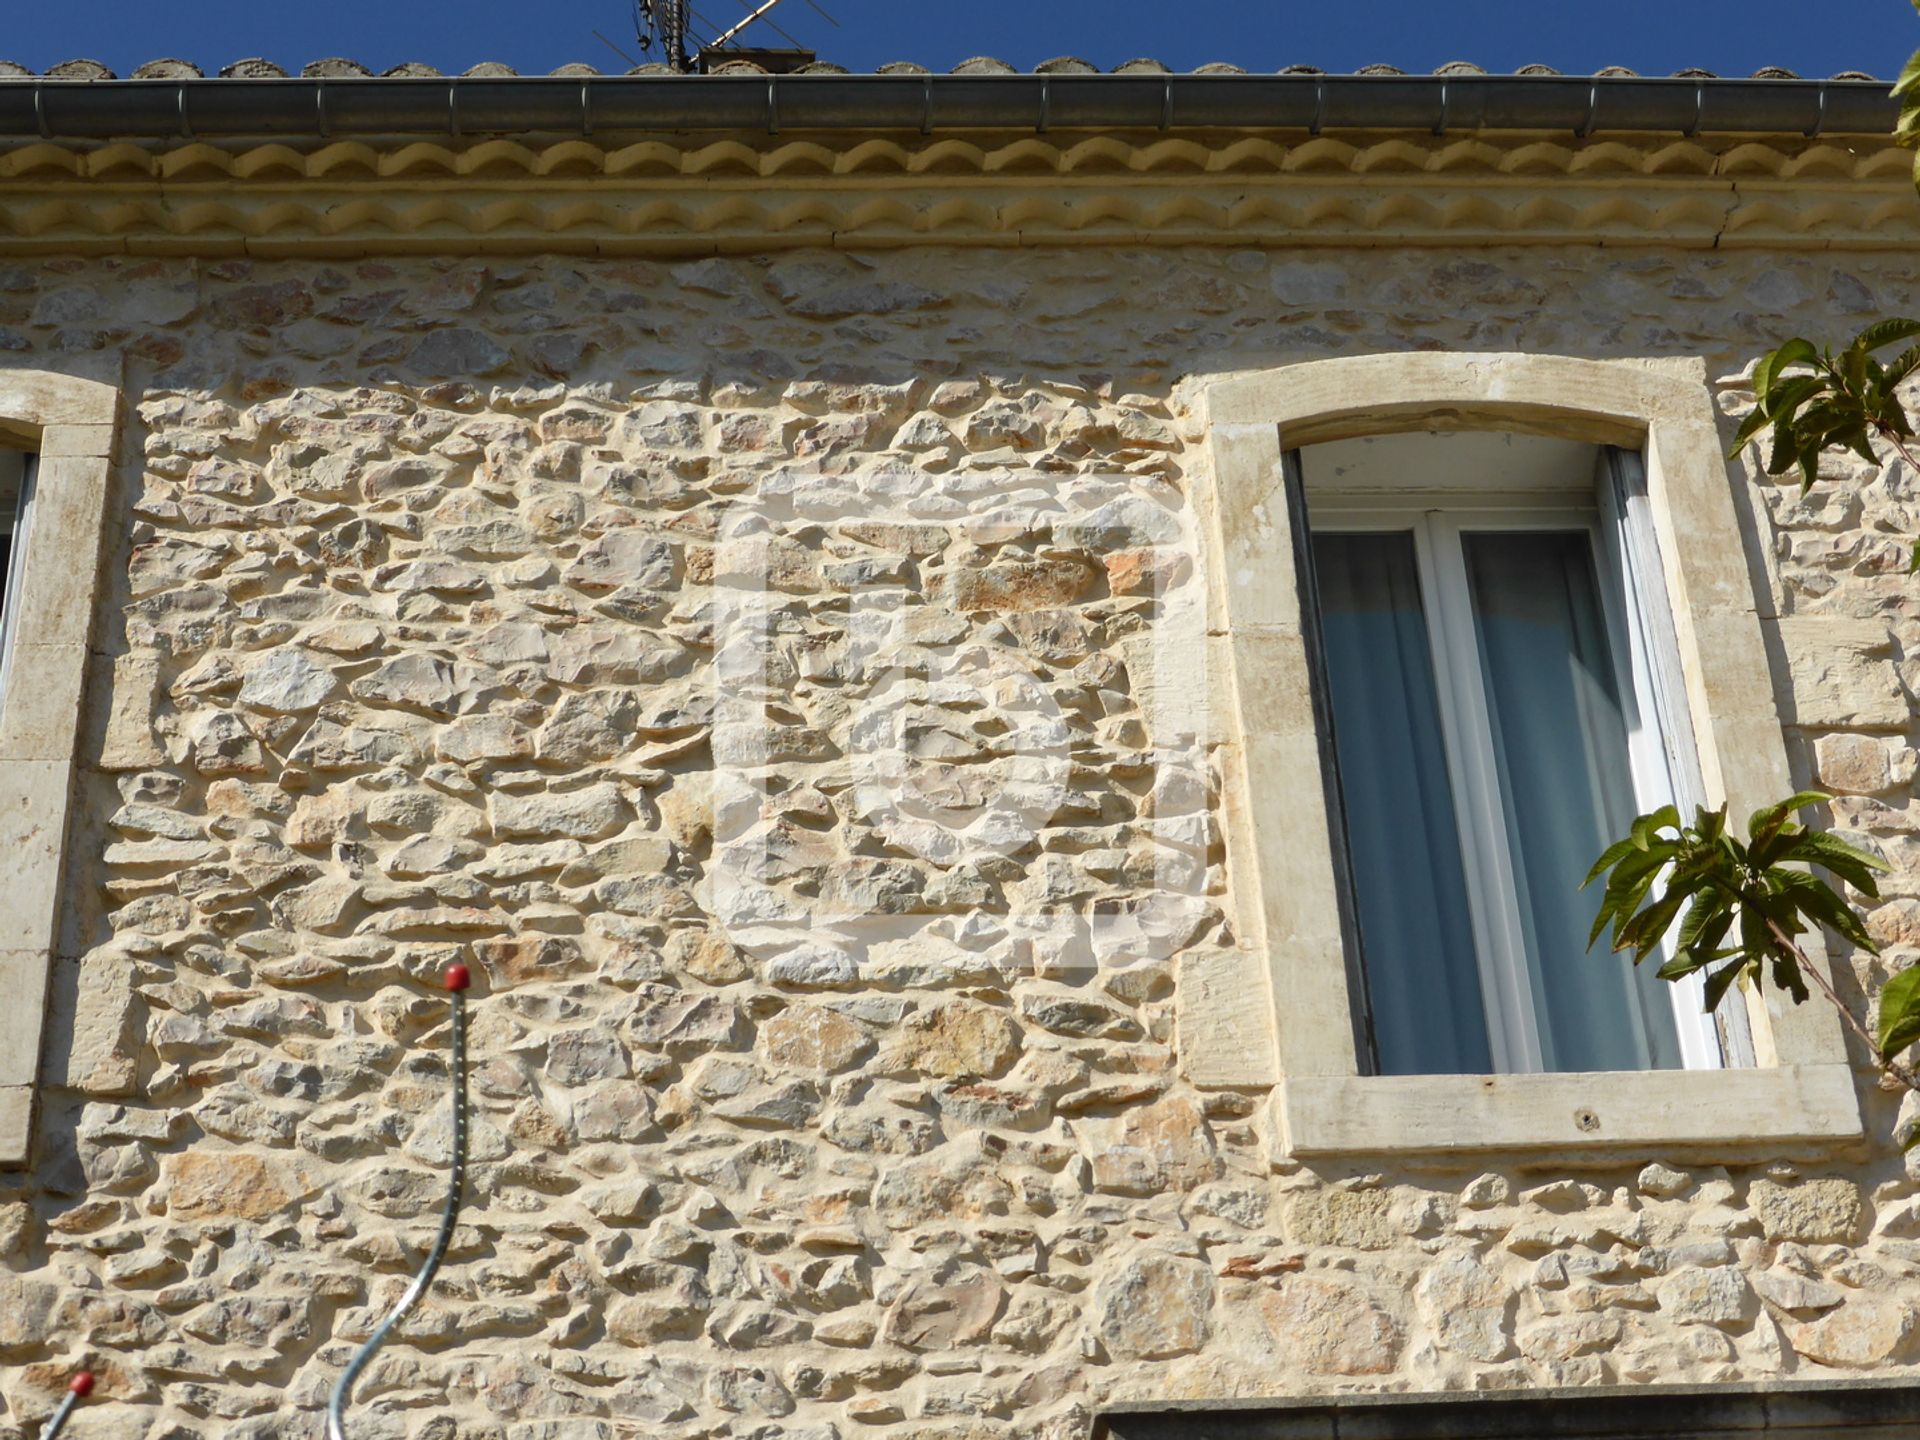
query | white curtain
[1560, 741]
[1409, 884]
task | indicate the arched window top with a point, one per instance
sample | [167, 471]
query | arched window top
[1609, 402]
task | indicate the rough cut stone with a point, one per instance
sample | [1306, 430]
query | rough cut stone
[1331, 1328]
[811, 1037]
[1470, 1310]
[1720, 1296]
[206, 1185]
[956, 1039]
[1809, 1211]
[1842, 673]
[419, 681]
[1357, 1219]
[1155, 1306]
[588, 814]
[953, 1309]
[1865, 1332]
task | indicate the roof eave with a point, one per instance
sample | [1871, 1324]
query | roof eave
[325, 108]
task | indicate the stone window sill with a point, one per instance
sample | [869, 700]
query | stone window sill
[1720, 1111]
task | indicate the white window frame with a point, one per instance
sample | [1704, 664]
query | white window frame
[1291, 932]
[1438, 527]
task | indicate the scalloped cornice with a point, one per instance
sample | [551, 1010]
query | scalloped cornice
[704, 196]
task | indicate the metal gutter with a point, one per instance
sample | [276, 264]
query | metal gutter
[352, 106]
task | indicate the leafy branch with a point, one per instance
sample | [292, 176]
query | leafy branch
[1814, 400]
[1741, 906]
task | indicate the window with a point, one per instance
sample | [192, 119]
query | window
[1496, 724]
[1658, 634]
[16, 500]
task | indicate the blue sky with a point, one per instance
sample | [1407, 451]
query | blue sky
[1652, 36]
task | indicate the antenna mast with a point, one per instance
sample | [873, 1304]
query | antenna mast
[667, 23]
[664, 21]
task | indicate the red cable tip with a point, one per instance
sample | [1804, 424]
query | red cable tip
[81, 1384]
[457, 977]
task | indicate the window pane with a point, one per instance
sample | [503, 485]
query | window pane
[13, 472]
[1560, 740]
[1409, 885]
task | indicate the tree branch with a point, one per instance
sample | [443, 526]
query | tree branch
[1893, 1067]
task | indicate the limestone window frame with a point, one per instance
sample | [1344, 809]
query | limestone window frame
[1283, 873]
[69, 424]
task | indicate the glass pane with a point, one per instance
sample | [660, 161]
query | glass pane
[13, 471]
[1409, 885]
[1560, 739]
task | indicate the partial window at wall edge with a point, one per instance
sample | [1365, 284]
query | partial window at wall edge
[17, 474]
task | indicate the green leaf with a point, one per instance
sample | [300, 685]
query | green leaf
[1818, 901]
[1795, 352]
[1706, 905]
[1892, 417]
[1913, 558]
[1683, 965]
[1856, 441]
[1645, 931]
[1909, 80]
[1764, 822]
[1786, 445]
[1719, 982]
[1820, 848]
[1610, 857]
[1853, 365]
[1900, 1012]
[1884, 332]
[1809, 462]
[1790, 395]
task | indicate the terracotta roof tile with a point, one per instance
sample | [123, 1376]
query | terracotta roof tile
[80, 70]
[340, 67]
[168, 70]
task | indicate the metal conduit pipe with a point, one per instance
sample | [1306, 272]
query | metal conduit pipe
[408, 106]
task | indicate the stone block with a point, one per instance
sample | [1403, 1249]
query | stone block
[33, 825]
[1810, 1212]
[16, 1126]
[42, 702]
[1226, 1042]
[1842, 674]
[129, 689]
[1154, 1307]
[24, 981]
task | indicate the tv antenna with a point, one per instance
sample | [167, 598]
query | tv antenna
[670, 25]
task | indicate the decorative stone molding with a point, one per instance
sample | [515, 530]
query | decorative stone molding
[656, 196]
[70, 423]
[1803, 1089]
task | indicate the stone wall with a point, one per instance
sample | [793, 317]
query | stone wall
[416, 654]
